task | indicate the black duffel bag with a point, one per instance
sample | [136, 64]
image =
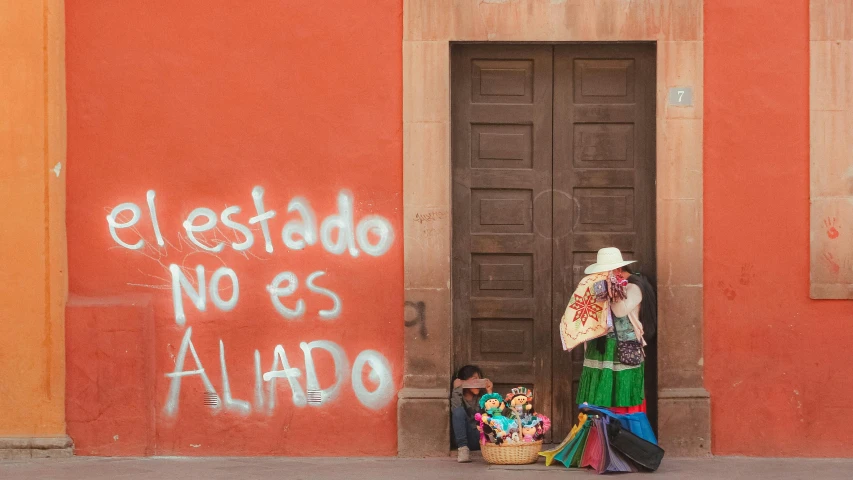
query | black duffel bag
[645, 454]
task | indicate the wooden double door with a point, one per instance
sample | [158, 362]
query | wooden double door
[553, 150]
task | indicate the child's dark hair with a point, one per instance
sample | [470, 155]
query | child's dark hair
[467, 372]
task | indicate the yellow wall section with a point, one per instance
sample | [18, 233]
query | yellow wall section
[32, 220]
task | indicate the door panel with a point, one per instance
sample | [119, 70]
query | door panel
[501, 111]
[553, 158]
[604, 171]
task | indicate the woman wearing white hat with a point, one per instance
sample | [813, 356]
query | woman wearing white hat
[613, 368]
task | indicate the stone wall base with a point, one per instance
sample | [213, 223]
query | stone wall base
[36, 447]
[684, 422]
[423, 423]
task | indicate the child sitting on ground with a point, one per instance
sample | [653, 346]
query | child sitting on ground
[468, 386]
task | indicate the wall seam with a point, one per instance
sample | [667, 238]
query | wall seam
[46, 177]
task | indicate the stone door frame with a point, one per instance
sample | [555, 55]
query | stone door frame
[429, 26]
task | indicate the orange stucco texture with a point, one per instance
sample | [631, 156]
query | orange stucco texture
[288, 113]
[32, 132]
[775, 361]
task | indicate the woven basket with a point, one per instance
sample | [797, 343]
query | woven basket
[515, 454]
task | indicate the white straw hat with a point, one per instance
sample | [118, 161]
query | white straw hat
[608, 259]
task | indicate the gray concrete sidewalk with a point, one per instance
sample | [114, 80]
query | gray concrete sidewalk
[92, 468]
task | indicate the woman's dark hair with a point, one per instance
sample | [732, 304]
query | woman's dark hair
[467, 372]
[649, 305]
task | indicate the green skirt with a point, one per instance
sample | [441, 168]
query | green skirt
[605, 382]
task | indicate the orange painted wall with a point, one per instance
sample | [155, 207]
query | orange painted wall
[775, 361]
[32, 242]
[200, 102]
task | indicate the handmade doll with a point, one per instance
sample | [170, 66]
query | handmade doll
[600, 291]
[490, 433]
[493, 406]
[478, 417]
[510, 434]
[500, 435]
[530, 429]
[617, 287]
[543, 426]
[519, 399]
[502, 426]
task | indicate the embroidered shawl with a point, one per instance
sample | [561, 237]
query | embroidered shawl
[586, 316]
